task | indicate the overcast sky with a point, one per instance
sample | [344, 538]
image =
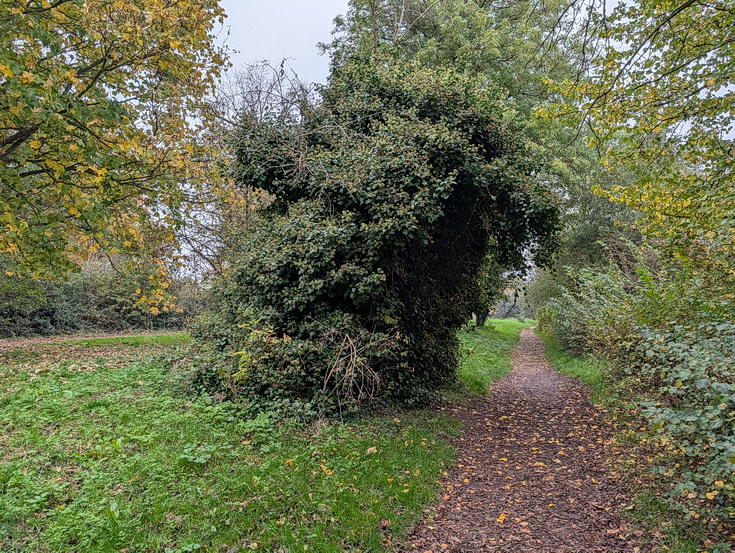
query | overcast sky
[277, 29]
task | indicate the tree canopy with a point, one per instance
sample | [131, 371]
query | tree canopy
[661, 100]
[99, 110]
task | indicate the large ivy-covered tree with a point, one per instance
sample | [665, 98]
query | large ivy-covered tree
[523, 49]
[99, 102]
[389, 197]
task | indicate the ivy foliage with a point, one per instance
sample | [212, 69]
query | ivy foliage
[389, 197]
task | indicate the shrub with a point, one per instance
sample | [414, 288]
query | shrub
[20, 301]
[591, 316]
[95, 299]
[389, 197]
[670, 341]
[694, 404]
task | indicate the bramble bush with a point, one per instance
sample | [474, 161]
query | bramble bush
[670, 339]
[389, 196]
[695, 406]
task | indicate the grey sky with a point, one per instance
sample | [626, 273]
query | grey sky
[277, 29]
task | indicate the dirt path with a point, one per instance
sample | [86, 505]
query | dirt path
[531, 474]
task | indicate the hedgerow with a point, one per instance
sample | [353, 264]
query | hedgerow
[97, 298]
[670, 338]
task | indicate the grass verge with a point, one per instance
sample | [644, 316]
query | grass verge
[486, 353]
[112, 456]
[588, 369]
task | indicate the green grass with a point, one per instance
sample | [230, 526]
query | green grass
[486, 353]
[105, 454]
[143, 340]
[18, 356]
[110, 457]
[589, 370]
[671, 534]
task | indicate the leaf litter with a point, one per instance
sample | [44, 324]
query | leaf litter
[533, 472]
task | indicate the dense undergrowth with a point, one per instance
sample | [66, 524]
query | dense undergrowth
[669, 340]
[99, 298]
[104, 450]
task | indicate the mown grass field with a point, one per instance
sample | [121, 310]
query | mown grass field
[102, 449]
[167, 339]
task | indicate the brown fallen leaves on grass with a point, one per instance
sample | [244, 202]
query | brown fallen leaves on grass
[532, 473]
[35, 356]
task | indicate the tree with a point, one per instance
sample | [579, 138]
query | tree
[265, 94]
[388, 196]
[491, 282]
[99, 112]
[521, 49]
[663, 96]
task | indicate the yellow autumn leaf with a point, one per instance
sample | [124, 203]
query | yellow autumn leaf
[501, 518]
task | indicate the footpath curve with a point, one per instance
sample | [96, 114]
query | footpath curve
[531, 473]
